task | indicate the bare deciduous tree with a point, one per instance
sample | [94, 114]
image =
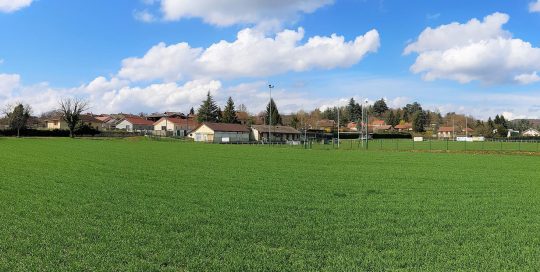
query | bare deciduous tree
[17, 116]
[71, 109]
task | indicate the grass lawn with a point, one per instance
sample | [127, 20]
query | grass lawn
[137, 205]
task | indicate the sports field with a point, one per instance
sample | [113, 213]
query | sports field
[140, 205]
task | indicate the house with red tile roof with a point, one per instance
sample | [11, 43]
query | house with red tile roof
[404, 127]
[446, 132]
[174, 126]
[135, 124]
[378, 123]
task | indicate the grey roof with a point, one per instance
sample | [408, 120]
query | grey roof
[276, 129]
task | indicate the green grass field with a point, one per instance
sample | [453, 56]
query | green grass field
[138, 205]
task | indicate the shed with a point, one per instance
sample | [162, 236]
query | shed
[221, 133]
[279, 133]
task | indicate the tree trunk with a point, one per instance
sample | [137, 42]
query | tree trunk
[71, 134]
[18, 133]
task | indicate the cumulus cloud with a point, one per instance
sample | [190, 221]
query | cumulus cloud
[8, 83]
[165, 96]
[252, 54]
[144, 16]
[534, 6]
[475, 51]
[226, 13]
[8, 6]
[527, 78]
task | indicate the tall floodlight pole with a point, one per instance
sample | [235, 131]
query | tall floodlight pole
[367, 125]
[270, 87]
[466, 128]
[362, 125]
[453, 129]
[338, 126]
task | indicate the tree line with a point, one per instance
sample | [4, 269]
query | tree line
[71, 110]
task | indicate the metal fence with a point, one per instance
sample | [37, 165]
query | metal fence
[434, 145]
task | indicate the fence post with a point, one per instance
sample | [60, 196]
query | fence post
[447, 144]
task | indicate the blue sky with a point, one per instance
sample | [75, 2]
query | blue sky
[53, 48]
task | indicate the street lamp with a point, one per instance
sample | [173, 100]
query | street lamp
[270, 87]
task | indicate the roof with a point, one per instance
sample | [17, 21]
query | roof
[276, 129]
[446, 129]
[378, 123]
[178, 121]
[404, 126]
[89, 119]
[139, 121]
[224, 127]
[84, 118]
[326, 123]
[104, 118]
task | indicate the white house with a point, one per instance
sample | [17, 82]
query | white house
[137, 124]
[279, 133]
[531, 132]
[221, 133]
[174, 126]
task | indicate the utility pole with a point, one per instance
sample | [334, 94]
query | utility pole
[270, 86]
[466, 128]
[338, 126]
[453, 129]
[362, 124]
[367, 125]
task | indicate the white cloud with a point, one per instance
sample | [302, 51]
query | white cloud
[144, 16]
[475, 51]
[527, 78]
[534, 6]
[156, 97]
[169, 63]
[226, 13]
[252, 54]
[8, 83]
[8, 6]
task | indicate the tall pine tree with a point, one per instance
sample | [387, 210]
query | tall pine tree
[354, 110]
[275, 119]
[229, 113]
[392, 119]
[380, 107]
[209, 111]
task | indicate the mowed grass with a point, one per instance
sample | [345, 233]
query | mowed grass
[117, 205]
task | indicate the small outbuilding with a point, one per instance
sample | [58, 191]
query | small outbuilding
[220, 133]
[278, 133]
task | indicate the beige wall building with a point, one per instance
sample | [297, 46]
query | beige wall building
[221, 133]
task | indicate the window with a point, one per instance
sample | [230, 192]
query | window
[163, 128]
